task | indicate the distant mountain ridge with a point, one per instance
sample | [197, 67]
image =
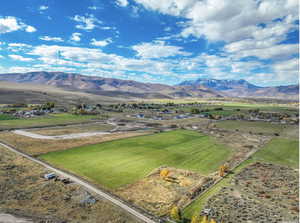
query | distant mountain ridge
[220, 84]
[107, 86]
[113, 87]
[242, 88]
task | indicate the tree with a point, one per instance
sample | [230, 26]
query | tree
[222, 171]
[195, 111]
[175, 213]
[195, 218]
[164, 173]
[204, 219]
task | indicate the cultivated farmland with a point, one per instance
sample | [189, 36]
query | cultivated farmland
[120, 162]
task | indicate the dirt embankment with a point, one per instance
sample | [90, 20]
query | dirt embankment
[23, 193]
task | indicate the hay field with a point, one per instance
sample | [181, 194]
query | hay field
[120, 162]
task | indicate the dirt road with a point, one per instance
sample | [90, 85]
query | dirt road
[59, 137]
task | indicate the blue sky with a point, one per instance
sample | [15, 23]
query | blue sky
[165, 41]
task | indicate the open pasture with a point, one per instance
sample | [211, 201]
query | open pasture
[121, 162]
[257, 127]
[49, 120]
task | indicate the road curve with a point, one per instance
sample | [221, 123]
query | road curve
[86, 185]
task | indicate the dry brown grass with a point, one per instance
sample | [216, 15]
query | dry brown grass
[73, 129]
[40, 146]
[158, 195]
[24, 193]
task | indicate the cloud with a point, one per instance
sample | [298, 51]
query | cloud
[158, 50]
[220, 20]
[18, 47]
[102, 43]
[76, 37]
[96, 60]
[20, 58]
[287, 65]
[43, 7]
[93, 8]
[87, 22]
[122, 3]
[54, 39]
[282, 51]
[11, 24]
[30, 29]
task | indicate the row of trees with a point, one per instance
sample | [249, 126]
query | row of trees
[176, 215]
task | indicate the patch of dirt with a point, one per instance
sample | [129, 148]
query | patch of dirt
[40, 146]
[24, 193]
[157, 194]
[259, 193]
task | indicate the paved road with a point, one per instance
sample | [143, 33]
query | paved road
[86, 185]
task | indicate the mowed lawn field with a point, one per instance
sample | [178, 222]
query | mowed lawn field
[280, 151]
[257, 127]
[120, 162]
[53, 119]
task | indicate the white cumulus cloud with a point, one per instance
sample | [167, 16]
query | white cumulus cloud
[223, 20]
[102, 43]
[158, 50]
[76, 37]
[20, 58]
[122, 3]
[49, 38]
[87, 22]
[43, 7]
[11, 24]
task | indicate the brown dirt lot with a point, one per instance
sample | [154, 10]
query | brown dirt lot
[24, 193]
[158, 195]
[40, 146]
[53, 131]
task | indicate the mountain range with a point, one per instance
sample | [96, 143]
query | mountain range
[112, 87]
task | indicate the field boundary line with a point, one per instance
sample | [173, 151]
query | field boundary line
[145, 217]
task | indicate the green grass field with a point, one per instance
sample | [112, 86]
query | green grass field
[6, 117]
[120, 162]
[255, 127]
[53, 119]
[278, 151]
